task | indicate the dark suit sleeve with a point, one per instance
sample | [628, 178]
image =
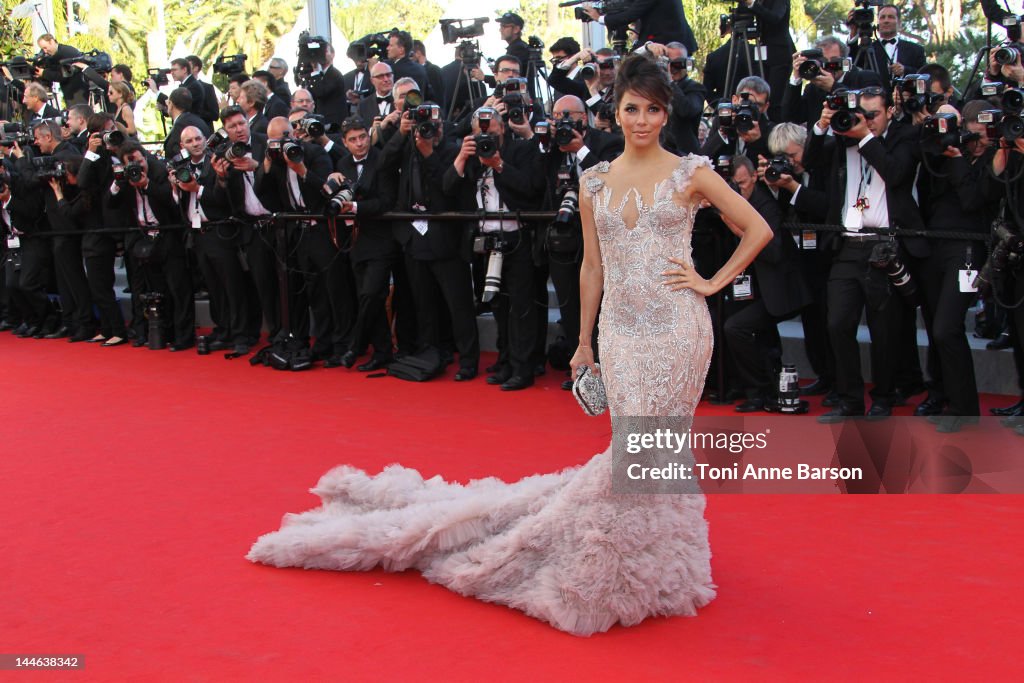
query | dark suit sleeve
[764, 203]
[329, 83]
[895, 166]
[631, 12]
[689, 103]
[794, 104]
[560, 81]
[771, 13]
[813, 204]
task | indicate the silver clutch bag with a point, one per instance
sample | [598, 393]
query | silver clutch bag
[589, 392]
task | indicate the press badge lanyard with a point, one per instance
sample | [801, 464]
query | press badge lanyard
[862, 203]
[967, 273]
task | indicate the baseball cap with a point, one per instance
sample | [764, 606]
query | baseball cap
[511, 18]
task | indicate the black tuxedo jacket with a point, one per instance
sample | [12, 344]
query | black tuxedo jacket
[806, 107]
[444, 240]
[25, 207]
[258, 123]
[687, 106]
[662, 21]
[368, 109]
[80, 141]
[407, 68]
[214, 199]
[161, 199]
[172, 145]
[267, 195]
[276, 107]
[777, 266]
[73, 87]
[195, 88]
[909, 54]
[715, 146]
[436, 82]
[894, 158]
[211, 109]
[374, 194]
[328, 90]
[350, 81]
[47, 112]
[318, 167]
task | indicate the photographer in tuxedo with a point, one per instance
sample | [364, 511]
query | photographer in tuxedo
[100, 250]
[773, 20]
[357, 81]
[327, 87]
[73, 87]
[376, 254]
[179, 106]
[894, 56]
[561, 167]
[200, 186]
[327, 271]
[495, 174]
[436, 253]
[688, 99]
[778, 292]
[374, 107]
[871, 169]
[804, 104]
[160, 259]
[27, 253]
[803, 198]
[751, 91]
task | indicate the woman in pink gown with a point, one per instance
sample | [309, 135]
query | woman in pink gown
[564, 547]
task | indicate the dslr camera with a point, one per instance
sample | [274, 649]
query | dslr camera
[816, 64]
[180, 168]
[486, 143]
[427, 120]
[778, 166]
[846, 105]
[1008, 54]
[337, 194]
[286, 149]
[916, 94]
[222, 148]
[315, 126]
[565, 130]
[132, 172]
[1000, 125]
[940, 131]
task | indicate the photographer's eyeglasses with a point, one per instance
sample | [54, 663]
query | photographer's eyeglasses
[507, 70]
[387, 75]
[606, 65]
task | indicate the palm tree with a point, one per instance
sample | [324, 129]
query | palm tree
[242, 26]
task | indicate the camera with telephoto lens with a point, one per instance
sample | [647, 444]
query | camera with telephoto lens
[49, 167]
[158, 76]
[588, 71]
[846, 105]
[863, 17]
[1008, 54]
[940, 131]
[427, 119]
[681, 64]
[1000, 125]
[113, 138]
[337, 193]
[516, 100]
[566, 129]
[486, 143]
[778, 166]
[568, 188]
[885, 256]
[1012, 101]
[315, 126]
[181, 167]
[1007, 255]
[230, 65]
[133, 172]
[816, 64]
[285, 148]
[412, 99]
[916, 93]
[221, 146]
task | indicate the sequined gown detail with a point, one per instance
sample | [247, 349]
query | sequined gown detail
[561, 547]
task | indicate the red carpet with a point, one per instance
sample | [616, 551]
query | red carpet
[135, 481]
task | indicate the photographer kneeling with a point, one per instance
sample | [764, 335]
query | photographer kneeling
[494, 173]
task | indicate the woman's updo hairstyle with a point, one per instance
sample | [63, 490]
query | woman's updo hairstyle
[645, 78]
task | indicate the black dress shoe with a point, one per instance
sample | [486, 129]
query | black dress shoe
[181, 347]
[138, 342]
[1016, 410]
[517, 382]
[33, 332]
[465, 374]
[4, 326]
[58, 333]
[932, 405]
[1012, 421]
[81, 337]
[21, 329]
[333, 362]
[999, 343]
[879, 411]
[567, 385]
[539, 370]
[818, 387]
[500, 377]
[348, 359]
[831, 400]
[217, 344]
[497, 367]
[839, 414]
[751, 405]
[373, 364]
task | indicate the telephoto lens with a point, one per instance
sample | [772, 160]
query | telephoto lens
[113, 138]
[492, 281]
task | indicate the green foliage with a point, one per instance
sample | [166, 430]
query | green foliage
[14, 33]
[357, 18]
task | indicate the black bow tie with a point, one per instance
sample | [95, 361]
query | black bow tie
[890, 41]
[359, 161]
[384, 99]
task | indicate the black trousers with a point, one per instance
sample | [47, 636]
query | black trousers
[814, 316]
[565, 276]
[752, 337]
[216, 252]
[452, 278]
[167, 272]
[331, 290]
[1017, 326]
[947, 306]
[99, 252]
[373, 284]
[26, 286]
[853, 287]
[259, 255]
[515, 312]
[908, 359]
[72, 285]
